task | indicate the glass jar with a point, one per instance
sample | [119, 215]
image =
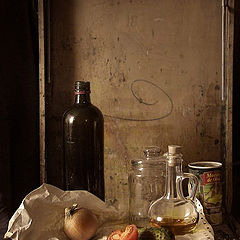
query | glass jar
[146, 184]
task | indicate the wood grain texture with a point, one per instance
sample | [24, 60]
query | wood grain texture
[229, 105]
[42, 90]
[146, 60]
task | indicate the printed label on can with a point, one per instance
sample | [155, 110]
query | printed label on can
[210, 177]
[210, 193]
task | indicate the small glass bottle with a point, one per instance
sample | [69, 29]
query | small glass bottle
[83, 143]
[173, 210]
[146, 184]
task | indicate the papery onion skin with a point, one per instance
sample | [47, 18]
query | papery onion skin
[80, 223]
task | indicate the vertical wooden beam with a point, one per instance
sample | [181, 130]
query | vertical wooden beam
[41, 89]
[236, 114]
[229, 37]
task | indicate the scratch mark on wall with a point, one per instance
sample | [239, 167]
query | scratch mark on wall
[139, 40]
[140, 100]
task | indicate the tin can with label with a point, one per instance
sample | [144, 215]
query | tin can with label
[210, 188]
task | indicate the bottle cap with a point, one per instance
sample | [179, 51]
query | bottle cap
[174, 149]
[82, 86]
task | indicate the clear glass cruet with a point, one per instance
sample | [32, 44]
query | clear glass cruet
[173, 210]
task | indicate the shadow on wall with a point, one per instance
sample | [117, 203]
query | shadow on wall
[61, 55]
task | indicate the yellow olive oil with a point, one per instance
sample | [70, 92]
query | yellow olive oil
[177, 226]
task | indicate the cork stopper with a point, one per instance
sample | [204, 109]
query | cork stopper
[174, 149]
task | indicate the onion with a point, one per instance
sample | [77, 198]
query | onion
[80, 223]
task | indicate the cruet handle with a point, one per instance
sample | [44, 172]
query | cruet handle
[194, 186]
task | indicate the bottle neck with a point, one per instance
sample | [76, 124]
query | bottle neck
[82, 98]
[173, 186]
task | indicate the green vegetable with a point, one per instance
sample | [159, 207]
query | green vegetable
[155, 233]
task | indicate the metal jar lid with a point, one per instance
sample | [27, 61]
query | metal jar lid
[205, 165]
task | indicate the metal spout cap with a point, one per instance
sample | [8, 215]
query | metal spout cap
[174, 149]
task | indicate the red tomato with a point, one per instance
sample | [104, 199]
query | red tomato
[115, 235]
[130, 233]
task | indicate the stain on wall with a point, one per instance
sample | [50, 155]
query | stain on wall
[155, 73]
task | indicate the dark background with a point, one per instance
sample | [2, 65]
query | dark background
[19, 120]
[19, 103]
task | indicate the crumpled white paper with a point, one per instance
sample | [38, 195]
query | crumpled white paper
[41, 215]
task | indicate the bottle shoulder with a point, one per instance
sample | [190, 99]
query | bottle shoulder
[83, 111]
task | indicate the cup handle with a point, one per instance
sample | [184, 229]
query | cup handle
[194, 187]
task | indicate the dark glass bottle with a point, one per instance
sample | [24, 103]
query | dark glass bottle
[83, 138]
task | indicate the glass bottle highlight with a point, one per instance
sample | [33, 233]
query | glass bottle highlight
[83, 140]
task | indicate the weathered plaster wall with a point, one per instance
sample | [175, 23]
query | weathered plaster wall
[155, 72]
